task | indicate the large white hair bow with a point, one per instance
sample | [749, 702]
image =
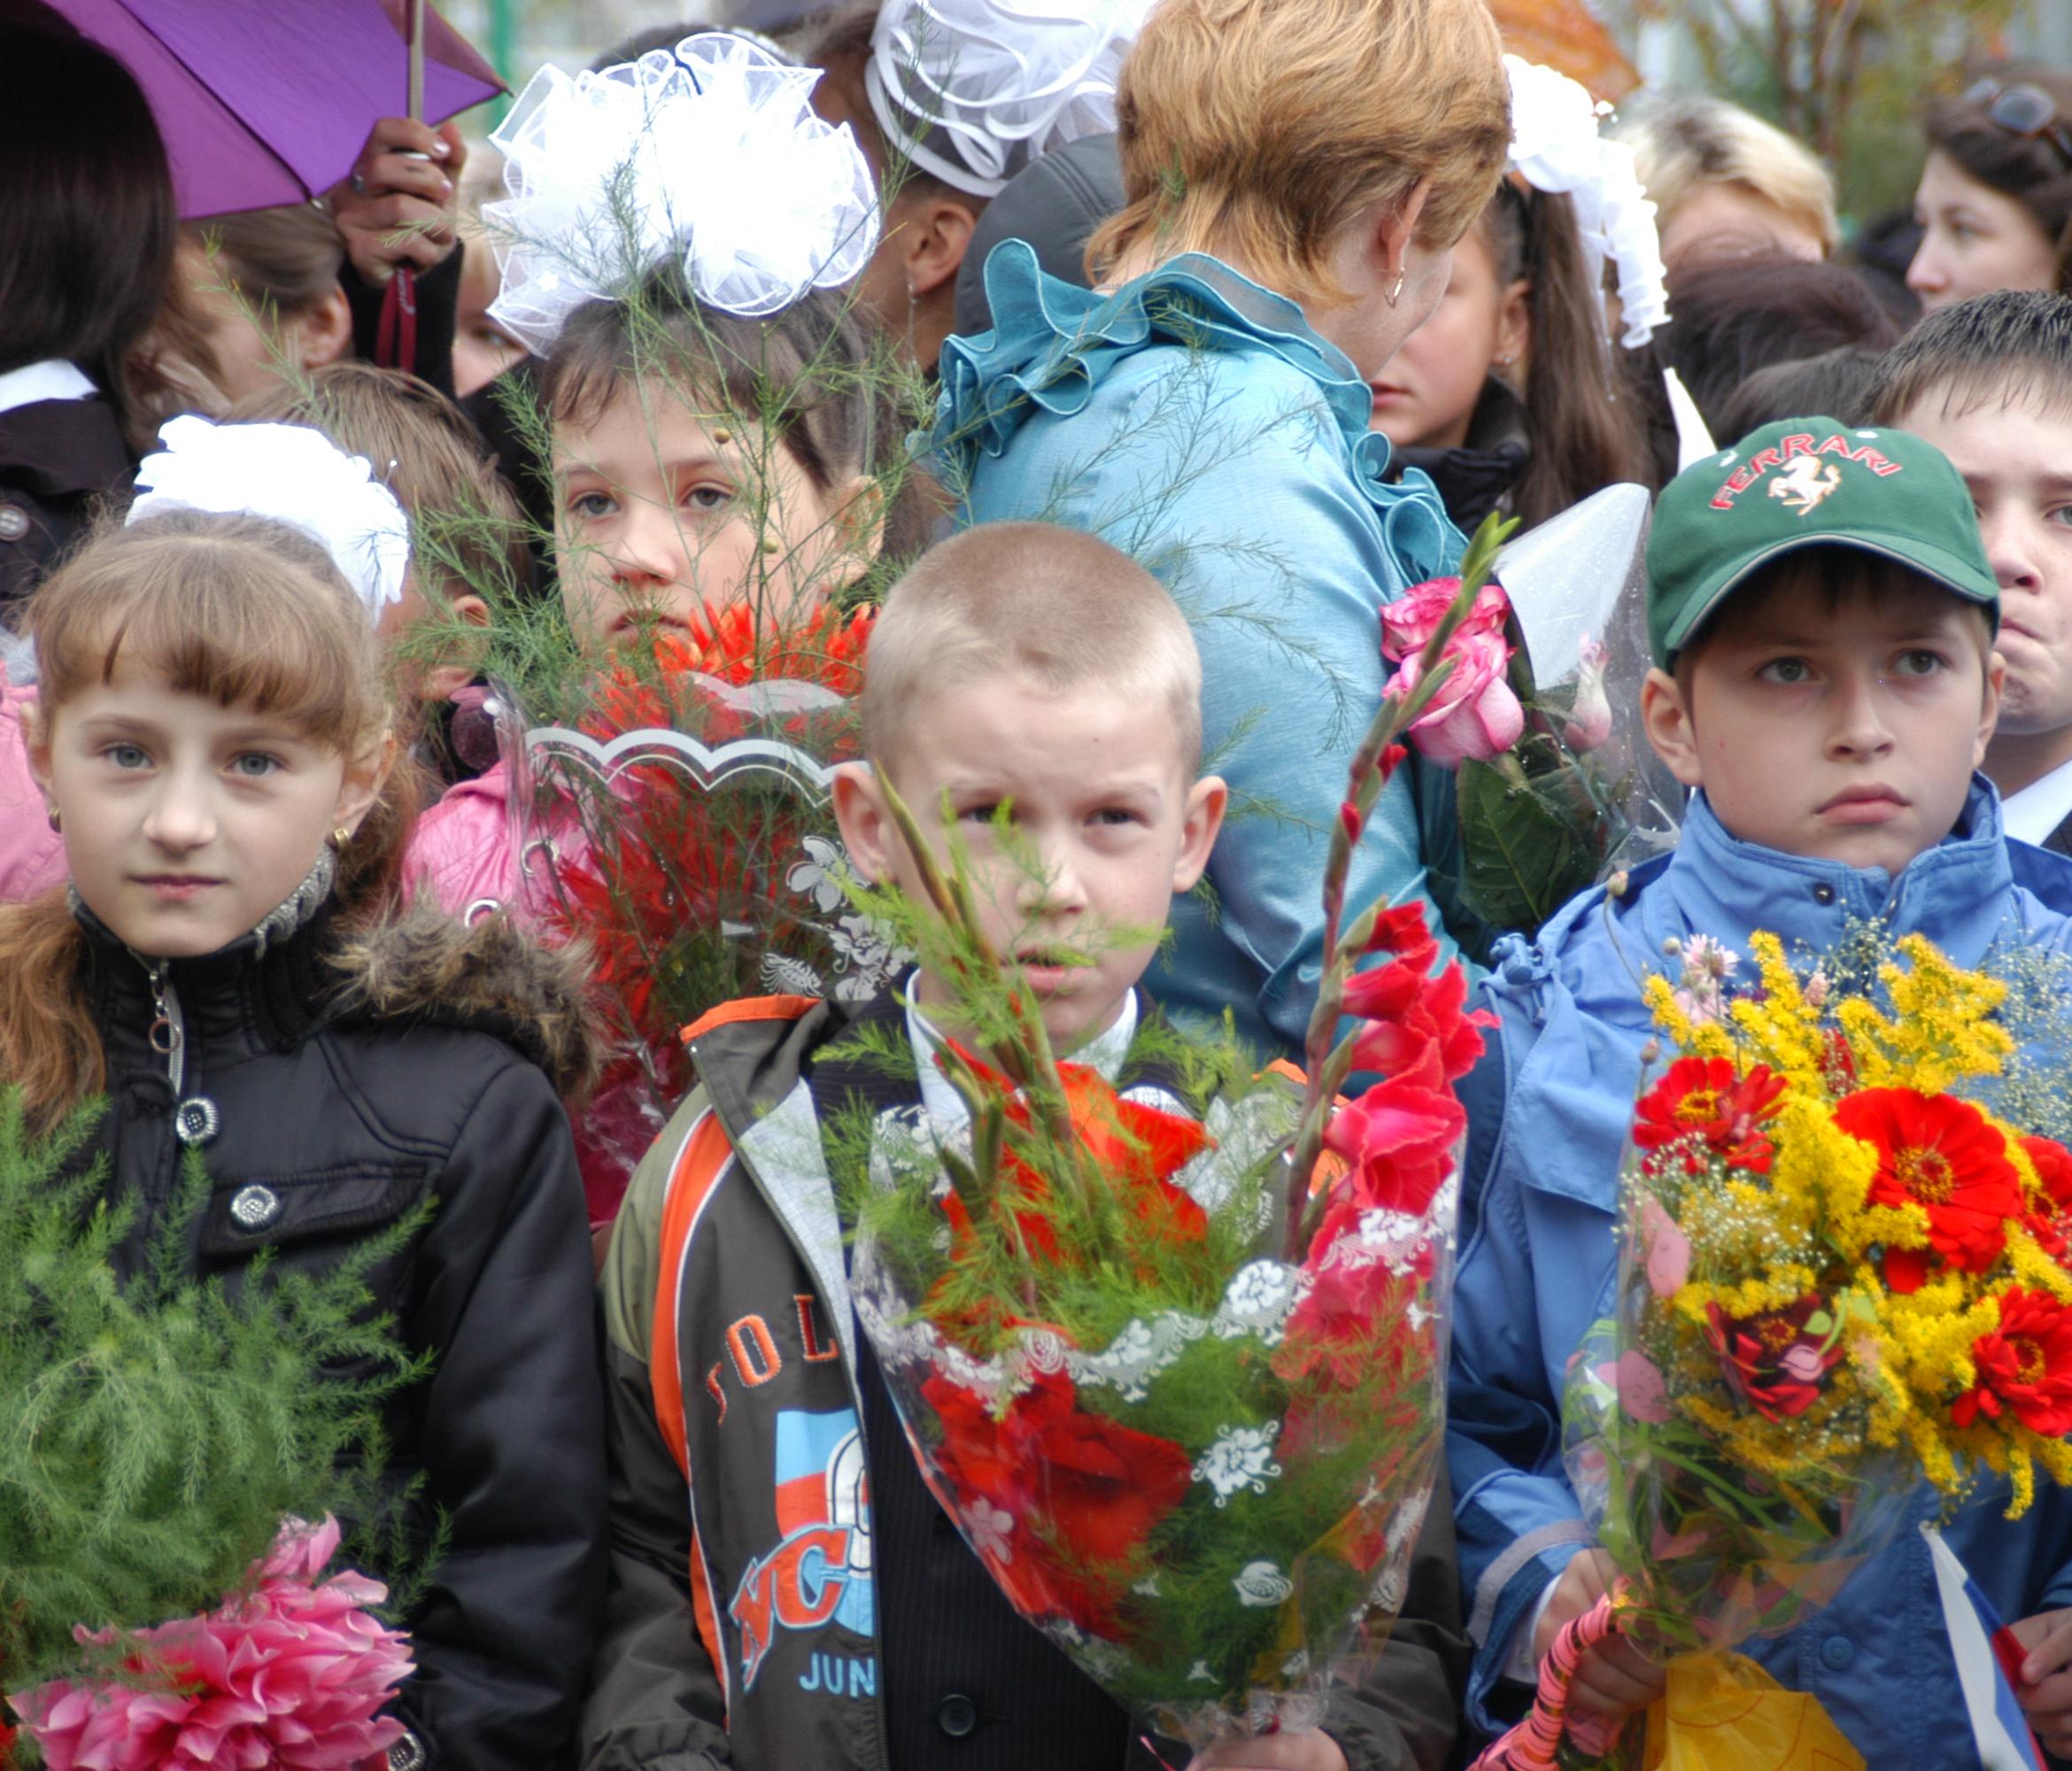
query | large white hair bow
[711, 157]
[293, 475]
[972, 91]
[1556, 146]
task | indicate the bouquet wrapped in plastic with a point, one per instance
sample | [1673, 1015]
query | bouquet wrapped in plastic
[1839, 1276]
[1549, 783]
[1175, 1365]
[679, 823]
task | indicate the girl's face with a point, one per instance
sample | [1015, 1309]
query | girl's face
[662, 514]
[1426, 396]
[1974, 239]
[186, 822]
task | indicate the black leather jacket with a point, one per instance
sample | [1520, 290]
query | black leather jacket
[347, 1081]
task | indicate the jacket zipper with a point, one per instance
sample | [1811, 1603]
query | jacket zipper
[846, 1332]
[168, 1032]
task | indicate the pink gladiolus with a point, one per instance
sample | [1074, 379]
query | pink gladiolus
[293, 1675]
[1409, 622]
[1589, 721]
[1475, 713]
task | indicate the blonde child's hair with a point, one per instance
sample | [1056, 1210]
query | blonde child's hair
[241, 609]
[468, 535]
[1683, 145]
[1056, 605]
[1260, 128]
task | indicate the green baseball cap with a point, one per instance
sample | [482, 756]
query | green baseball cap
[1807, 483]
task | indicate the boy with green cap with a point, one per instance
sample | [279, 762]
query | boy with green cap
[1822, 618]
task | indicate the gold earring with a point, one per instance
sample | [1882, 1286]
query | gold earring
[1394, 292]
[56, 817]
[341, 836]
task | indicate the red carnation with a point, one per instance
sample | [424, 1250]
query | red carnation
[1775, 1362]
[1096, 1488]
[1701, 1108]
[2025, 1367]
[1943, 1154]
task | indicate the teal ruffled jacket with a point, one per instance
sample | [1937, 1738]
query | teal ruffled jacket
[1195, 421]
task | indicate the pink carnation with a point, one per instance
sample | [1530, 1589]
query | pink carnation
[293, 1676]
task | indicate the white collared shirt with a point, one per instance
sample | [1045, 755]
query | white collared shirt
[2032, 814]
[38, 382]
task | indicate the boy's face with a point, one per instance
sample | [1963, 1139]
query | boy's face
[1110, 826]
[2016, 460]
[1844, 733]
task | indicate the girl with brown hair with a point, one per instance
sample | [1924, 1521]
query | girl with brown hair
[227, 967]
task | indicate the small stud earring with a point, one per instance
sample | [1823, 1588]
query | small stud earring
[1394, 292]
[341, 836]
[56, 819]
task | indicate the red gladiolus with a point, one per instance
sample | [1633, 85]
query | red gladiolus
[1399, 1139]
[1701, 1108]
[1403, 931]
[1351, 1328]
[1775, 1362]
[1943, 1154]
[1410, 1013]
[2025, 1367]
[1095, 1489]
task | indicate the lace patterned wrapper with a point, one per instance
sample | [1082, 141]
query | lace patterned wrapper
[1212, 1507]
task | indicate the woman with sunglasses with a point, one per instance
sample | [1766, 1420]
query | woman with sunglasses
[1995, 199]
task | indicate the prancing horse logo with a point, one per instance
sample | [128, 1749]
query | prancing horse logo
[1805, 483]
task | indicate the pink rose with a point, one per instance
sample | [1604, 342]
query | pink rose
[1409, 622]
[1475, 713]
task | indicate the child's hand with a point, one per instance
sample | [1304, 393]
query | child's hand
[2045, 1691]
[1614, 1678]
[398, 208]
[1311, 1750]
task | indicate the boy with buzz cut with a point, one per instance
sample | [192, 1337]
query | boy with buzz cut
[1988, 382]
[1822, 616]
[785, 1593]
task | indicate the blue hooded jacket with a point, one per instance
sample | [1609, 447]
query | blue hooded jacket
[1549, 1107]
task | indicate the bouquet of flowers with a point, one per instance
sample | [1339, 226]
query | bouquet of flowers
[684, 818]
[156, 1433]
[1179, 1375]
[1839, 1275]
[1533, 787]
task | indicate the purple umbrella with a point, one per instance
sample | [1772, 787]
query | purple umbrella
[265, 102]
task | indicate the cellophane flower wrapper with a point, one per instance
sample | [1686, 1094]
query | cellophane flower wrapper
[1198, 1467]
[1841, 1275]
[679, 823]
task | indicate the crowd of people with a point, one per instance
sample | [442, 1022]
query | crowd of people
[1111, 372]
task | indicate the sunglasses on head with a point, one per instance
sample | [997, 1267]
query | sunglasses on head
[2023, 110]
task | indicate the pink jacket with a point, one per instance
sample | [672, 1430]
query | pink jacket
[465, 852]
[32, 854]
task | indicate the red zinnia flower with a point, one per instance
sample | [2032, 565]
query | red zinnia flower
[2025, 1367]
[1943, 1154]
[1775, 1362]
[1702, 1108]
[2049, 1214]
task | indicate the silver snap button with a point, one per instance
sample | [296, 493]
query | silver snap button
[408, 1754]
[195, 1121]
[481, 911]
[254, 1208]
[14, 522]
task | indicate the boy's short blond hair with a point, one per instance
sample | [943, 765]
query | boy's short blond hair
[1681, 145]
[1262, 128]
[1056, 605]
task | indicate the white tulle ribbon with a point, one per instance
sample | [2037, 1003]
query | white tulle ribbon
[972, 91]
[1556, 147]
[712, 158]
[293, 475]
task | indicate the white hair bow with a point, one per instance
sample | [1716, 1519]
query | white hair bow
[293, 475]
[972, 91]
[1556, 147]
[712, 158]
